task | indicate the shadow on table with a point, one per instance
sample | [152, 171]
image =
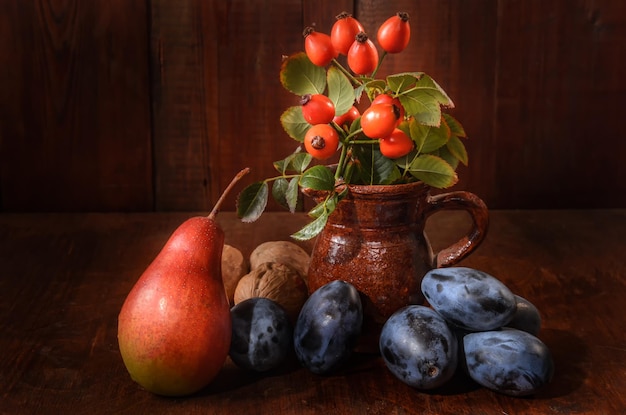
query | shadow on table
[570, 355]
[571, 358]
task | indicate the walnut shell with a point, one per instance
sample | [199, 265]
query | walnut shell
[285, 252]
[234, 267]
[278, 282]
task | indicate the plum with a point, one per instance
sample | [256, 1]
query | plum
[526, 316]
[328, 327]
[469, 298]
[509, 361]
[418, 347]
[262, 334]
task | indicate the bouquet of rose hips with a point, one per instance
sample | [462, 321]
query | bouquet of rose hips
[402, 135]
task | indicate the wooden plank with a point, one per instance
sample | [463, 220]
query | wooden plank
[322, 15]
[76, 122]
[560, 87]
[254, 37]
[217, 96]
[59, 333]
[183, 51]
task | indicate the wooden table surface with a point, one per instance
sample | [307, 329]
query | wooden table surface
[63, 278]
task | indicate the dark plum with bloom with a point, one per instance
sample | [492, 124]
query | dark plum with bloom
[509, 361]
[262, 334]
[469, 298]
[418, 347]
[328, 327]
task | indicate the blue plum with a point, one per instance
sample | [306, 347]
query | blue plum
[262, 334]
[418, 347]
[509, 361]
[328, 327]
[526, 316]
[469, 298]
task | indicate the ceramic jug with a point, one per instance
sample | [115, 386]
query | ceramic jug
[375, 240]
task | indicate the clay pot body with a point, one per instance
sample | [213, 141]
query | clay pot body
[375, 240]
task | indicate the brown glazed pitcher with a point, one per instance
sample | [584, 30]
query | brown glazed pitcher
[375, 240]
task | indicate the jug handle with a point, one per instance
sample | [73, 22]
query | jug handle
[459, 200]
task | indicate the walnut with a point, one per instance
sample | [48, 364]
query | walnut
[276, 281]
[284, 252]
[234, 267]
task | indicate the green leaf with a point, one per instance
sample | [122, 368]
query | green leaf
[455, 127]
[312, 229]
[318, 210]
[373, 87]
[401, 82]
[436, 138]
[428, 138]
[374, 168]
[328, 205]
[294, 124]
[428, 85]
[252, 201]
[418, 133]
[300, 162]
[456, 147]
[291, 194]
[300, 76]
[445, 154]
[421, 105]
[340, 91]
[297, 162]
[318, 178]
[355, 126]
[433, 170]
[279, 191]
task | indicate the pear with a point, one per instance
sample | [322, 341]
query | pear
[174, 328]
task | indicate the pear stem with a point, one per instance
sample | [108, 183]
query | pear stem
[230, 186]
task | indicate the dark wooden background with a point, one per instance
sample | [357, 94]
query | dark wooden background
[140, 105]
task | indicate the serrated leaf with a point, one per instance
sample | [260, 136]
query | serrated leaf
[427, 138]
[312, 229]
[296, 162]
[328, 205]
[401, 82]
[340, 91]
[445, 154]
[374, 168]
[279, 191]
[373, 87]
[455, 127]
[318, 178]
[437, 138]
[421, 105]
[433, 170]
[291, 195]
[281, 166]
[300, 76]
[456, 147]
[294, 124]
[418, 133]
[300, 162]
[428, 85]
[252, 201]
[317, 210]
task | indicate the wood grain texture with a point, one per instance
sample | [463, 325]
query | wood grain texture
[65, 277]
[155, 105]
[74, 106]
[557, 95]
[254, 38]
[185, 82]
